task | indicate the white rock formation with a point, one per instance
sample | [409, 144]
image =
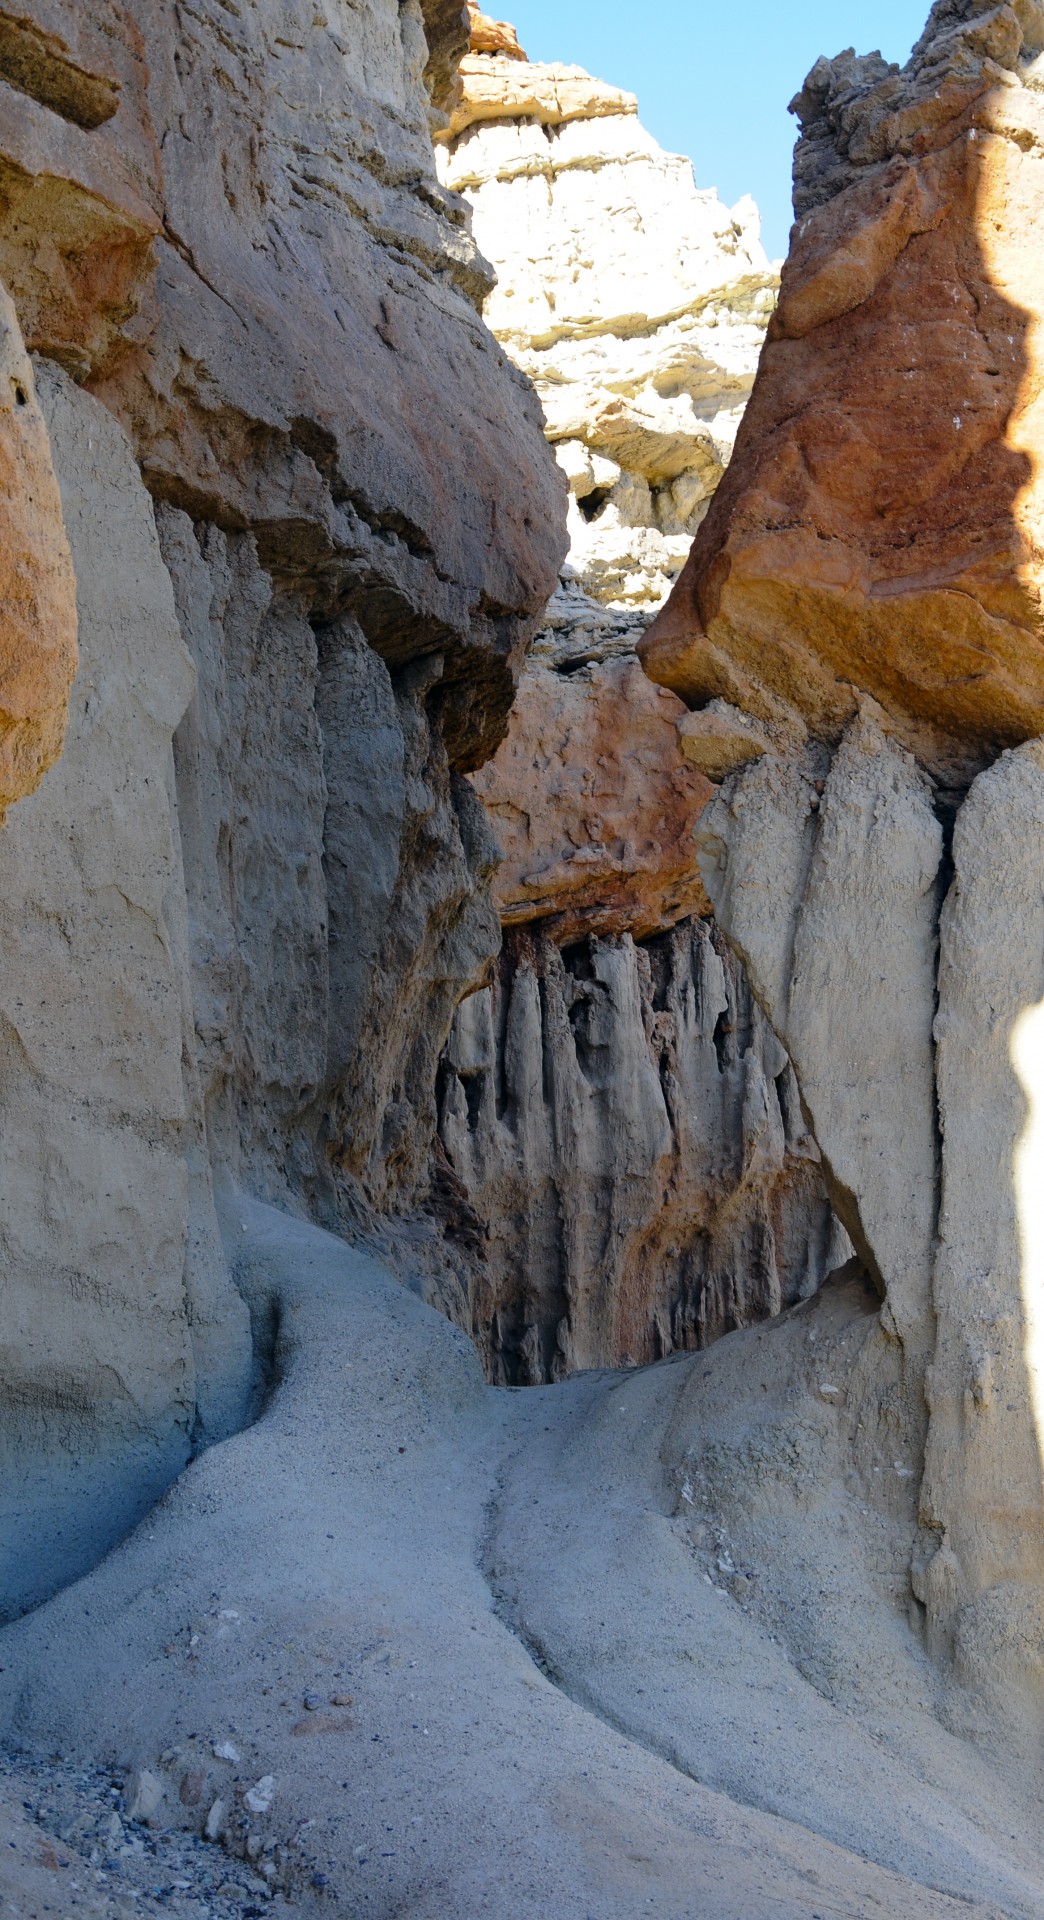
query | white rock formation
[635, 301]
[124, 1340]
[982, 1494]
[828, 888]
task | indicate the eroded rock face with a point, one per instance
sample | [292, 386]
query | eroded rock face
[634, 301]
[594, 804]
[37, 583]
[879, 526]
[227, 226]
[637, 1172]
[826, 876]
[124, 1343]
[981, 1570]
[213, 296]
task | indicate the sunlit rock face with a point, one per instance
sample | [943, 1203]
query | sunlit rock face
[866, 590]
[37, 583]
[880, 524]
[634, 300]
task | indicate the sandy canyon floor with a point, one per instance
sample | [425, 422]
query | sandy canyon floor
[634, 1644]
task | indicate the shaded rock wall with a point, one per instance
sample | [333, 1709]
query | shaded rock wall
[295, 556]
[629, 1134]
[124, 1343]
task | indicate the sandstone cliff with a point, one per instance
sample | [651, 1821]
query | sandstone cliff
[241, 912]
[634, 300]
[879, 524]
[866, 585]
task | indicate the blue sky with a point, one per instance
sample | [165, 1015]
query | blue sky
[713, 81]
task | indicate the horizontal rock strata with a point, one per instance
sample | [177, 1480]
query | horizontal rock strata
[635, 302]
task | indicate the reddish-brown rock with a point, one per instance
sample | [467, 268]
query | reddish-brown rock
[37, 584]
[594, 805]
[880, 524]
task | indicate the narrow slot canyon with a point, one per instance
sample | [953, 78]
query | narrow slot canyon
[522, 775]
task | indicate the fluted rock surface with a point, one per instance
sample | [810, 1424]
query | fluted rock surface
[880, 524]
[638, 1172]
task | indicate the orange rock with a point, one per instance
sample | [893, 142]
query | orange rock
[37, 583]
[594, 805]
[881, 526]
[493, 36]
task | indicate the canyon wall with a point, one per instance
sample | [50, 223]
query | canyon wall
[866, 585]
[635, 301]
[752, 996]
[634, 1173]
[244, 904]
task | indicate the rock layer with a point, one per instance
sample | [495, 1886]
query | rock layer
[37, 583]
[636, 303]
[879, 526]
[241, 963]
[594, 804]
[630, 1140]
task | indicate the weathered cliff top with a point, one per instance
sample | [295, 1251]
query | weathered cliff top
[880, 527]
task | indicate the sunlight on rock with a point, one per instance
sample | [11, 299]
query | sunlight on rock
[1027, 1058]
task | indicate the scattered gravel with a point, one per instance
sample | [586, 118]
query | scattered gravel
[68, 1848]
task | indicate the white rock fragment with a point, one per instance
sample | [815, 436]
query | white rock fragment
[144, 1795]
[216, 1823]
[259, 1797]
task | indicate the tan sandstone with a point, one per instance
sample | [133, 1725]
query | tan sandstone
[594, 805]
[37, 584]
[880, 524]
